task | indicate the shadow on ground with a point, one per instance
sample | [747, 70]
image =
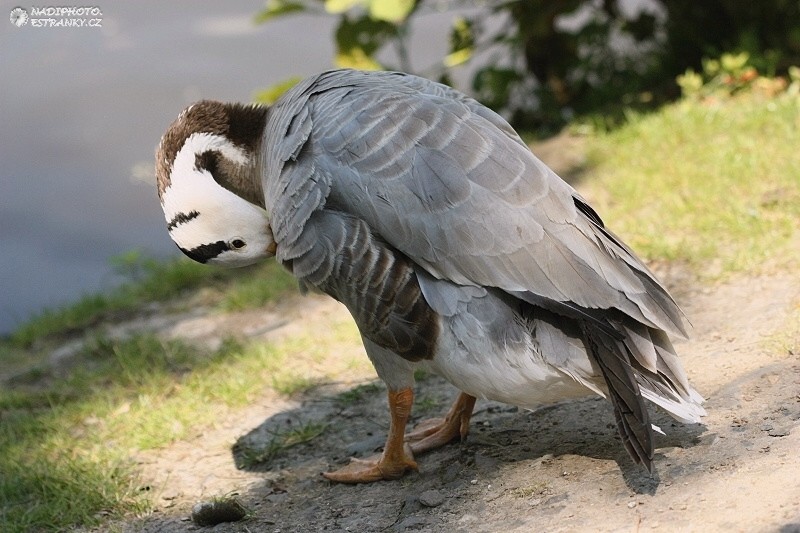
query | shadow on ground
[510, 451]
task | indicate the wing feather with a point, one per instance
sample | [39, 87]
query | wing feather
[450, 185]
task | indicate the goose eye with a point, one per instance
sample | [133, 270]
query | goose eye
[237, 244]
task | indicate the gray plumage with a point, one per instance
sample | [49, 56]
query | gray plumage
[454, 247]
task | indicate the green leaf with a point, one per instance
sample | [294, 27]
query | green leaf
[462, 34]
[462, 42]
[690, 82]
[356, 58]
[271, 94]
[711, 67]
[336, 7]
[493, 85]
[363, 34]
[734, 63]
[458, 57]
[277, 8]
[394, 11]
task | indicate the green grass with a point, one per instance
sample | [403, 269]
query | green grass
[149, 280]
[68, 435]
[713, 185]
[357, 394]
[65, 449]
[425, 404]
[280, 441]
[269, 283]
[289, 383]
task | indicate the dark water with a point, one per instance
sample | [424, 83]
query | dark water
[81, 110]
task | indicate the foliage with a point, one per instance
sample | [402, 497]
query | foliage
[540, 63]
[732, 74]
[271, 94]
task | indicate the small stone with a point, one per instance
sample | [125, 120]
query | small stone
[218, 511]
[431, 498]
[631, 505]
[474, 481]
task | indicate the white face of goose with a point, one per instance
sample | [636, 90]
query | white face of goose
[209, 223]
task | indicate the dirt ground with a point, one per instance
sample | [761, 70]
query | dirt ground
[561, 468]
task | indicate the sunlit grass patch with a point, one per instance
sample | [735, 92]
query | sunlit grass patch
[66, 452]
[715, 186]
[64, 488]
[69, 434]
[290, 383]
[703, 185]
[149, 280]
[267, 285]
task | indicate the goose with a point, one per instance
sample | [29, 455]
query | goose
[454, 248]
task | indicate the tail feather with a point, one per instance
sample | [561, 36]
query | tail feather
[630, 411]
[667, 385]
[659, 373]
[642, 365]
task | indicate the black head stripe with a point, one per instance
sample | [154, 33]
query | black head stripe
[206, 252]
[181, 218]
[208, 160]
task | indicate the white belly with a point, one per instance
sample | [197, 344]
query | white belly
[516, 372]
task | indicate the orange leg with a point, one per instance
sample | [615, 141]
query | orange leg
[396, 457]
[438, 432]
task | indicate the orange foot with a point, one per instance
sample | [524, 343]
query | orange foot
[374, 468]
[436, 432]
[397, 456]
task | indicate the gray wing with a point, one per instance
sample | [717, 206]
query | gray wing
[448, 183]
[434, 175]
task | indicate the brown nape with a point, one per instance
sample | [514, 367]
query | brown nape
[245, 129]
[242, 124]
[246, 124]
